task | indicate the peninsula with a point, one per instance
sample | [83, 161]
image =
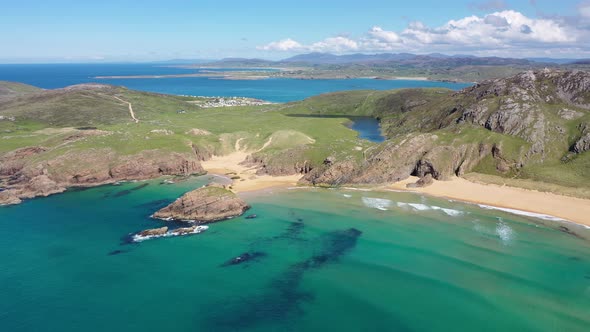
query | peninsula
[530, 130]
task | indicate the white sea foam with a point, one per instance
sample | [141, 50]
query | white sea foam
[449, 212]
[415, 206]
[347, 195]
[301, 188]
[522, 213]
[377, 203]
[419, 207]
[356, 189]
[505, 232]
[139, 238]
[424, 207]
[395, 190]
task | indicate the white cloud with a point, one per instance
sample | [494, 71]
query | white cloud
[282, 45]
[381, 35]
[335, 44]
[495, 32]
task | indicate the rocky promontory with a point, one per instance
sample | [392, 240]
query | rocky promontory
[204, 205]
[23, 177]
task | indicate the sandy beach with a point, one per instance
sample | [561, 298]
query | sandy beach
[570, 208]
[245, 179]
[229, 166]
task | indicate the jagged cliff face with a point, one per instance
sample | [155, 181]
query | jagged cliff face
[24, 177]
[531, 105]
[504, 124]
[420, 155]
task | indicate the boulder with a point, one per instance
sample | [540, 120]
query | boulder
[424, 181]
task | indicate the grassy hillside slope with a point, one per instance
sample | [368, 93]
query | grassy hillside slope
[533, 127]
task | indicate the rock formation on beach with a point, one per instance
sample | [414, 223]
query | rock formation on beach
[204, 205]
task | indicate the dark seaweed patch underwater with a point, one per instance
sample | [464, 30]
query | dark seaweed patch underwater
[283, 296]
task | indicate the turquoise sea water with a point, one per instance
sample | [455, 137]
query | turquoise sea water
[337, 260]
[51, 76]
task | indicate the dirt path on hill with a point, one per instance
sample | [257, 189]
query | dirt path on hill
[237, 146]
[266, 144]
[130, 108]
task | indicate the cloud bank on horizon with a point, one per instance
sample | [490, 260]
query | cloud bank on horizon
[501, 33]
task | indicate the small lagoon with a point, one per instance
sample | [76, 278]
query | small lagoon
[368, 128]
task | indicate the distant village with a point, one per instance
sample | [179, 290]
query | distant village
[211, 102]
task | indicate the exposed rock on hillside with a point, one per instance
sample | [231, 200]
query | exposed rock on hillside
[287, 162]
[207, 204]
[583, 143]
[522, 105]
[512, 122]
[198, 132]
[420, 155]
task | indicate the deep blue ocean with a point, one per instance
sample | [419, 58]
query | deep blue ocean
[52, 76]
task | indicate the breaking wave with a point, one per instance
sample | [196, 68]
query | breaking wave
[504, 232]
[449, 212]
[424, 207]
[377, 203]
[522, 213]
[139, 238]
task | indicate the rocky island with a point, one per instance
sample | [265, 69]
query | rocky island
[204, 205]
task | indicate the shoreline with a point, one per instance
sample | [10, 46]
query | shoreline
[244, 179]
[252, 75]
[555, 207]
[569, 209]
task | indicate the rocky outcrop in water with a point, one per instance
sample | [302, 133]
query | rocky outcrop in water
[244, 258]
[154, 232]
[204, 205]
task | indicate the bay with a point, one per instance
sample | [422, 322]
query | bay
[327, 259]
[53, 76]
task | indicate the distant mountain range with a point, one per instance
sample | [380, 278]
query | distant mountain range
[317, 58]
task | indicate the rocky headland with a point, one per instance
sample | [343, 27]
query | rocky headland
[22, 177]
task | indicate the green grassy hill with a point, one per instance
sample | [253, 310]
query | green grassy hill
[532, 127]
[525, 126]
[11, 89]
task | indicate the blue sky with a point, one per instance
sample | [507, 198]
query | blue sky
[48, 31]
